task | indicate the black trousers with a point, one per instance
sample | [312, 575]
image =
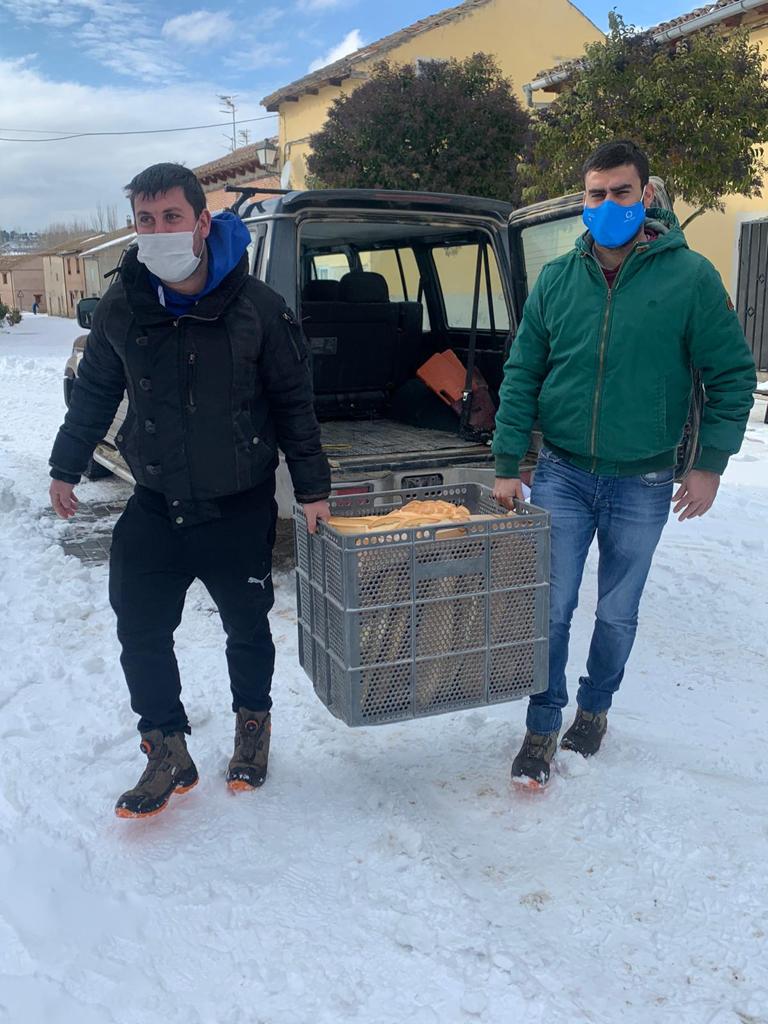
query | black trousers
[151, 568]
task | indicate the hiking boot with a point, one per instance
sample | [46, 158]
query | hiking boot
[248, 767]
[530, 769]
[169, 770]
[586, 733]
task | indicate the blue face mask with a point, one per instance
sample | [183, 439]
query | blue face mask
[612, 225]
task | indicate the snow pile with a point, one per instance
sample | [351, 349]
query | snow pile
[382, 875]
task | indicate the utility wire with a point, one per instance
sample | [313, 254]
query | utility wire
[148, 131]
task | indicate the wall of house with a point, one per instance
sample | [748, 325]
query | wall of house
[74, 272]
[55, 285]
[6, 288]
[93, 281]
[98, 264]
[7, 296]
[29, 280]
[108, 259]
[525, 35]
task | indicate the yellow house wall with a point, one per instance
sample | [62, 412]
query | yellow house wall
[525, 36]
[716, 235]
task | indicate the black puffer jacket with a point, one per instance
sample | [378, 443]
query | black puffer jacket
[212, 394]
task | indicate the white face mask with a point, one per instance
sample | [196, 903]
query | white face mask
[169, 254]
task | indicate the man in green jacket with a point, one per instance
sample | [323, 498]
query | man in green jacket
[604, 356]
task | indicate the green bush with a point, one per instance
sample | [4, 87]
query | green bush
[13, 316]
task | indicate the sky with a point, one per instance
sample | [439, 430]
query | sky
[70, 66]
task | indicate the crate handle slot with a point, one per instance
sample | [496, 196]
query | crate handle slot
[452, 567]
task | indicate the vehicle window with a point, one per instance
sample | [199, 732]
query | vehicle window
[329, 266]
[545, 242]
[256, 249]
[401, 272]
[456, 268]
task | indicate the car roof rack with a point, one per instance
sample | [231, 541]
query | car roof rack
[249, 192]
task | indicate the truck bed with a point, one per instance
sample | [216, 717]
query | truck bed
[352, 438]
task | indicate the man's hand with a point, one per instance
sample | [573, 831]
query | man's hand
[695, 494]
[506, 489]
[63, 499]
[315, 510]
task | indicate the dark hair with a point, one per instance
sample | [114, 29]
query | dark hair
[159, 178]
[616, 154]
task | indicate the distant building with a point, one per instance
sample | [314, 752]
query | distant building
[100, 259]
[65, 274]
[22, 281]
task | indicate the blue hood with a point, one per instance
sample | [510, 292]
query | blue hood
[228, 240]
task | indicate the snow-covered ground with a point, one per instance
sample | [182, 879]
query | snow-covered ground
[382, 875]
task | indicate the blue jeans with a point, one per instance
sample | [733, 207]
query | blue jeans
[628, 515]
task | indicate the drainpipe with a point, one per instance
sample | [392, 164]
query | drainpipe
[666, 36]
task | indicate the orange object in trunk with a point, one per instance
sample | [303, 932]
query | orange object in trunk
[445, 374]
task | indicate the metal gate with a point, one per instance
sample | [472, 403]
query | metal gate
[752, 294]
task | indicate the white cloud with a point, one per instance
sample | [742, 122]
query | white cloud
[58, 181]
[199, 28]
[43, 12]
[352, 41]
[259, 57]
[323, 5]
[116, 33]
[266, 19]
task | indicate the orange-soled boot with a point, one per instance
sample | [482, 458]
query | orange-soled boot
[169, 770]
[531, 767]
[248, 766]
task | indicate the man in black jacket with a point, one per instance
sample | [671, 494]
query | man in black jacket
[218, 376]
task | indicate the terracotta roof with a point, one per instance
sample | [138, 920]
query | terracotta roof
[681, 19]
[243, 160]
[333, 74]
[570, 66]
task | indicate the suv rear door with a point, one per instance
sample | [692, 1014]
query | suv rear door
[538, 234]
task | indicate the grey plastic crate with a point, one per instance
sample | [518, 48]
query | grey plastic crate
[408, 623]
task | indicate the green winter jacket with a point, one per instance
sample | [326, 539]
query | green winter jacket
[608, 371]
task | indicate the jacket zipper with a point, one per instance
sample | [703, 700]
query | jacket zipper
[191, 366]
[600, 367]
[192, 358]
[601, 355]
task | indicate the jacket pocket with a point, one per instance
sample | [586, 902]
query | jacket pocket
[296, 337]
[544, 401]
[660, 417]
[191, 380]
